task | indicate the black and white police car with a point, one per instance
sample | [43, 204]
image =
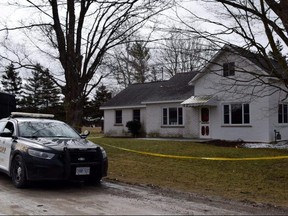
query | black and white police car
[36, 147]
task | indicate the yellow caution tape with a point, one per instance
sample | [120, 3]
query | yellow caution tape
[199, 158]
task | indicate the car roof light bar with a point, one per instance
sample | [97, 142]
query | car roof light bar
[32, 115]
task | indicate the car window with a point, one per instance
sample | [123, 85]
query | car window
[9, 128]
[46, 129]
[2, 125]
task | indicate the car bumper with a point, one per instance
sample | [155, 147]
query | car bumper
[54, 169]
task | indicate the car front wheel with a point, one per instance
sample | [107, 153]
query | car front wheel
[18, 172]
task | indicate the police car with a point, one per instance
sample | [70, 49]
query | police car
[36, 147]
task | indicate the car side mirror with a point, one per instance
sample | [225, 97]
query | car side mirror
[5, 134]
[85, 134]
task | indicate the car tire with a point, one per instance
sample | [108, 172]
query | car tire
[18, 172]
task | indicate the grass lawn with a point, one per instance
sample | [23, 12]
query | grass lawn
[264, 181]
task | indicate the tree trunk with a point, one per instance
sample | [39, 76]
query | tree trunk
[281, 9]
[74, 112]
[74, 100]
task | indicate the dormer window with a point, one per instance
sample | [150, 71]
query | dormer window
[229, 69]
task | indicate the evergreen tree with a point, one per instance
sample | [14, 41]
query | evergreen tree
[92, 108]
[41, 94]
[32, 88]
[277, 53]
[139, 62]
[102, 96]
[50, 92]
[12, 82]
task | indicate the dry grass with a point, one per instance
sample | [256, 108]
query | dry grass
[262, 181]
[94, 131]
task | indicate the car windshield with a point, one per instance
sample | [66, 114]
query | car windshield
[34, 129]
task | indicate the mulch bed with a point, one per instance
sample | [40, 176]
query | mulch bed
[225, 143]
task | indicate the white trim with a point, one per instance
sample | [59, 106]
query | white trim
[230, 114]
[115, 117]
[162, 102]
[168, 117]
[204, 124]
[201, 100]
[282, 113]
[122, 107]
[236, 125]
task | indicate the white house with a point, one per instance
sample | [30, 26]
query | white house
[222, 101]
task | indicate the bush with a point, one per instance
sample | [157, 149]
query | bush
[133, 127]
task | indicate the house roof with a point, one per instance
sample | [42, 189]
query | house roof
[174, 89]
[264, 64]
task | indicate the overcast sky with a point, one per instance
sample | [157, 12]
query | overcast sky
[13, 15]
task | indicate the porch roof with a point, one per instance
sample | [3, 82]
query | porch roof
[204, 100]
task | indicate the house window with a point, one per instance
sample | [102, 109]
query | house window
[282, 113]
[136, 115]
[118, 116]
[236, 114]
[172, 116]
[229, 69]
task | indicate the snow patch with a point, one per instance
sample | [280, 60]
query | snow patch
[278, 145]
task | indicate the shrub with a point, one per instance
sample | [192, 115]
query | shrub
[133, 127]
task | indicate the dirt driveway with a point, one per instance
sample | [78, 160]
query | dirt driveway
[114, 199]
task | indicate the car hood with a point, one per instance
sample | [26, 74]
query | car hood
[60, 143]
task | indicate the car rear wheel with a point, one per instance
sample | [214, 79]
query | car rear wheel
[18, 172]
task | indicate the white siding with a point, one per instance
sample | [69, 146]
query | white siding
[274, 100]
[262, 103]
[228, 91]
[112, 129]
[191, 122]
[154, 127]
[257, 130]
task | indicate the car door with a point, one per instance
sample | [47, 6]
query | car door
[6, 143]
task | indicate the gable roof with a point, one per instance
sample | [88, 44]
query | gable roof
[264, 64]
[137, 95]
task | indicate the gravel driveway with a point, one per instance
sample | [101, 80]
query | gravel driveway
[113, 198]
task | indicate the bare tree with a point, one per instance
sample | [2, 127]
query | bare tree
[260, 27]
[119, 63]
[182, 53]
[78, 34]
[130, 63]
[120, 69]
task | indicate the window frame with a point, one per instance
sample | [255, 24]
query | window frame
[169, 120]
[118, 117]
[232, 118]
[228, 69]
[284, 113]
[136, 116]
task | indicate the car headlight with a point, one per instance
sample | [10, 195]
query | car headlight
[103, 152]
[40, 154]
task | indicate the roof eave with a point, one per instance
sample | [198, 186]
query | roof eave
[122, 107]
[162, 102]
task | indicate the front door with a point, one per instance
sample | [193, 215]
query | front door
[204, 122]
